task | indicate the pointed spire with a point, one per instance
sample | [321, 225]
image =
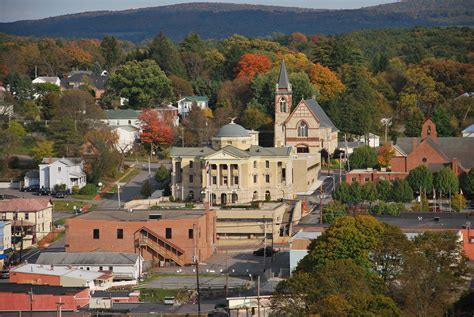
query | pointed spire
[283, 82]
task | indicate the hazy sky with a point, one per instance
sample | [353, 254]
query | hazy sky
[13, 10]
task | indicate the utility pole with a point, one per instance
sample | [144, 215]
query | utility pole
[59, 310]
[273, 233]
[340, 167]
[31, 301]
[118, 195]
[258, 295]
[321, 204]
[182, 136]
[227, 275]
[196, 262]
[264, 242]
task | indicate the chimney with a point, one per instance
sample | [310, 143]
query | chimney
[455, 166]
[414, 143]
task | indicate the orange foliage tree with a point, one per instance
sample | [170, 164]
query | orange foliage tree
[251, 65]
[325, 81]
[155, 131]
[385, 154]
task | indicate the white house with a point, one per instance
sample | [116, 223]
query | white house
[371, 140]
[185, 104]
[31, 178]
[124, 266]
[127, 137]
[468, 132]
[5, 239]
[122, 117]
[57, 171]
[47, 80]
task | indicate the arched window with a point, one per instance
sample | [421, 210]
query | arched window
[235, 198]
[191, 195]
[302, 129]
[282, 105]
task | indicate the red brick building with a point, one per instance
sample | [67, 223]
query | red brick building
[26, 297]
[167, 237]
[435, 152]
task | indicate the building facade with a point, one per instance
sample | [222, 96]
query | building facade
[62, 171]
[186, 103]
[165, 237]
[5, 240]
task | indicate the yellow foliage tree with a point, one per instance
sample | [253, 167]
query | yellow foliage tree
[325, 81]
[385, 154]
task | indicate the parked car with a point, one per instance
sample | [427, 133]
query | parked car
[269, 251]
[44, 192]
[4, 274]
[60, 195]
[169, 300]
[32, 188]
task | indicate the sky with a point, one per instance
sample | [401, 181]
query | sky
[14, 10]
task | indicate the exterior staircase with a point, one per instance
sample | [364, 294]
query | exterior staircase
[147, 238]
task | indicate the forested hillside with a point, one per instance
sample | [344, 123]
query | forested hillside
[221, 20]
[358, 78]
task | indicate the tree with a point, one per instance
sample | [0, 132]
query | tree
[50, 104]
[385, 154]
[458, 202]
[111, 51]
[42, 149]
[384, 190]
[163, 51]
[20, 86]
[334, 210]
[254, 116]
[17, 129]
[356, 192]
[140, 82]
[325, 81]
[401, 191]
[146, 189]
[363, 157]
[342, 193]
[467, 183]
[155, 131]
[162, 177]
[181, 87]
[250, 65]
[302, 87]
[369, 192]
[445, 181]
[420, 179]
[413, 123]
[442, 120]
[198, 128]
[66, 138]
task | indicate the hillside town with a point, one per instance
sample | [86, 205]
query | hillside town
[305, 185]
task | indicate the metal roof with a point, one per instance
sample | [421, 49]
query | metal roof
[232, 130]
[87, 258]
[283, 82]
[56, 271]
[39, 289]
[325, 121]
[469, 129]
[122, 114]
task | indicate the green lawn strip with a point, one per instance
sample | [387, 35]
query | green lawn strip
[131, 173]
[83, 197]
[59, 235]
[66, 205]
[156, 295]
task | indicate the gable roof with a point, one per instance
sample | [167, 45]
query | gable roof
[325, 121]
[195, 98]
[24, 204]
[191, 151]
[87, 258]
[46, 79]
[122, 114]
[450, 147]
[129, 128]
[69, 161]
[469, 129]
[283, 81]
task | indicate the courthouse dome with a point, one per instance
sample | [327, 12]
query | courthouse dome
[232, 130]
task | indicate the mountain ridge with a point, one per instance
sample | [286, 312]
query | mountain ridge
[219, 20]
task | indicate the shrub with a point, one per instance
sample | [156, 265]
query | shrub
[89, 189]
[60, 187]
[401, 191]
[189, 205]
[75, 190]
[387, 209]
[333, 210]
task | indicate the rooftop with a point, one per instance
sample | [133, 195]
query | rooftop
[283, 82]
[24, 204]
[469, 129]
[69, 161]
[47, 79]
[325, 121]
[232, 130]
[122, 114]
[253, 151]
[57, 271]
[141, 215]
[39, 289]
[87, 258]
[195, 98]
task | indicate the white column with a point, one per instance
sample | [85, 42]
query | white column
[228, 175]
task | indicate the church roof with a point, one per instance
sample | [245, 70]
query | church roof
[232, 130]
[322, 116]
[283, 82]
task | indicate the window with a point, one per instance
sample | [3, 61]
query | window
[168, 233]
[27, 216]
[354, 179]
[191, 195]
[254, 164]
[302, 149]
[96, 233]
[236, 180]
[119, 233]
[302, 129]
[267, 164]
[101, 268]
[59, 168]
[283, 174]
[191, 164]
[424, 160]
[129, 122]
[224, 180]
[214, 180]
[366, 179]
[255, 179]
[282, 105]
[267, 178]
[191, 178]
[190, 234]
[111, 268]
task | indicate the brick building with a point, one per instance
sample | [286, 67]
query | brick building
[435, 152]
[166, 237]
[41, 297]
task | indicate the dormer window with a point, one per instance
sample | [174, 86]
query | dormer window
[302, 129]
[282, 105]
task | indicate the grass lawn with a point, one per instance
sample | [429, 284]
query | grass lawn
[156, 295]
[132, 172]
[59, 235]
[64, 205]
[84, 197]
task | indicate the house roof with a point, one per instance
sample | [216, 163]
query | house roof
[122, 114]
[191, 151]
[24, 204]
[451, 147]
[165, 106]
[233, 130]
[57, 271]
[111, 294]
[87, 258]
[77, 77]
[39, 289]
[283, 82]
[195, 98]
[325, 121]
[51, 80]
[69, 161]
[469, 129]
[128, 128]
[254, 150]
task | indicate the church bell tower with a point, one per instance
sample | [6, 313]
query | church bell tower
[283, 101]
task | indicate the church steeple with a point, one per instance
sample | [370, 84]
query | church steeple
[283, 82]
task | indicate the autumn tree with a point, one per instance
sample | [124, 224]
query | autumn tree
[254, 117]
[42, 149]
[325, 81]
[140, 82]
[106, 160]
[197, 128]
[250, 65]
[385, 154]
[155, 132]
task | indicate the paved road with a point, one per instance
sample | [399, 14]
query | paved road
[178, 282]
